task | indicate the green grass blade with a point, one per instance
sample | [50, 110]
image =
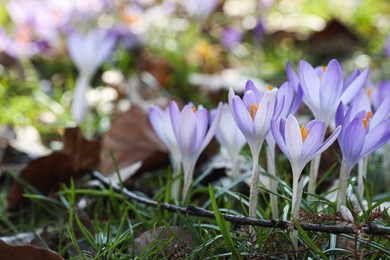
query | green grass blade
[223, 225]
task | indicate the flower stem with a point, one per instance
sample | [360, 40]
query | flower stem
[235, 173]
[295, 206]
[314, 166]
[272, 171]
[188, 177]
[343, 185]
[175, 190]
[362, 174]
[386, 162]
[254, 191]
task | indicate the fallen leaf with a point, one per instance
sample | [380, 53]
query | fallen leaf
[182, 239]
[132, 139]
[46, 173]
[85, 153]
[26, 252]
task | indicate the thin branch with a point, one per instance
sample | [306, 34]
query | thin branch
[192, 210]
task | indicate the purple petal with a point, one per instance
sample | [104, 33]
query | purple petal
[293, 139]
[174, 112]
[310, 84]
[156, 119]
[249, 99]
[242, 118]
[328, 142]
[279, 138]
[292, 76]
[375, 138]
[250, 86]
[330, 90]
[352, 141]
[340, 114]
[213, 128]
[383, 112]
[188, 132]
[201, 117]
[313, 139]
[354, 87]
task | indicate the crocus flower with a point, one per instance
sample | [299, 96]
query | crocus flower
[229, 135]
[87, 52]
[323, 88]
[357, 139]
[286, 103]
[162, 125]
[190, 128]
[231, 38]
[200, 9]
[387, 46]
[253, 114]
[300, 145]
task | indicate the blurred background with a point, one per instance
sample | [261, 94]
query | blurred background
[64, 63]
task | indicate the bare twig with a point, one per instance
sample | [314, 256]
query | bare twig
[192, 210]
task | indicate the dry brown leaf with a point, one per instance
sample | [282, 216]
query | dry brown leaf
[131, 139]
[46, 173]
[26, 252]
[182, 239]
[85, 153]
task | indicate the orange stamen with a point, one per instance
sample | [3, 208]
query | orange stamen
[323, 68]
[304, 132]
[369, 92]
[365, 120]
[194, 109]
[253, 110]
[270, 87]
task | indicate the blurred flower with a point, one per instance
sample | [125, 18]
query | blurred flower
[387, 46]
[231, 38]
[200, 9]
[87, 52]
[228, 134]
[258, 30]
[379, 93]
[190, 128]
[162, 125]
[323, 87]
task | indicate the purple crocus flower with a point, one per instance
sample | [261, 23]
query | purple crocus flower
[387, 46]
[253, 114]
[228, 135]
[190, 128]
[231, 38]
[358, 138]
[300, 145]
[323, 88]
[87, 52]
[200, 9]
[162, 125]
